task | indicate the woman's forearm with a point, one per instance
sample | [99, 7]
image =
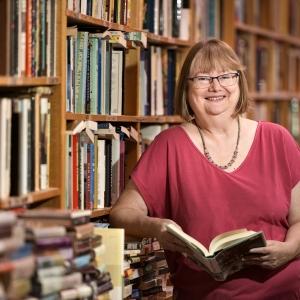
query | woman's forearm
[134, 222]
[293, 239]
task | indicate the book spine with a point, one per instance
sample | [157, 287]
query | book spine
[75, 171]
[53, 242]
[28, 54]
[92, 177]
[88, 81]
[43, 142]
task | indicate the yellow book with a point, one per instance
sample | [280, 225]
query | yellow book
[113, 257]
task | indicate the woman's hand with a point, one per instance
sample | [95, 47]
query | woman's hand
[274, 255]
[167, 240]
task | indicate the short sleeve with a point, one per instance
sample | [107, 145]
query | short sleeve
[151, 174]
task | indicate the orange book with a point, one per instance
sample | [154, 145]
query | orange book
[28, 55]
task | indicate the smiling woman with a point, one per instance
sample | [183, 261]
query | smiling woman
[216, 172]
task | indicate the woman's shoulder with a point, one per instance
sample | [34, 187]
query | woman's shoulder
[273, 128]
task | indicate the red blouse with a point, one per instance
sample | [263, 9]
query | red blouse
[178, 182]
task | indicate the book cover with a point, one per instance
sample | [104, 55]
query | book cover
[225, 253]
[68, 218]
[113, 239]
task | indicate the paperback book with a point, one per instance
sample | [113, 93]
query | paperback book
[225, 253]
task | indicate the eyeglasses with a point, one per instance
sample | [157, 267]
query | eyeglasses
[202, 82]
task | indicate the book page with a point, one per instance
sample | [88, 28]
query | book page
[228, 240]
[191, 242]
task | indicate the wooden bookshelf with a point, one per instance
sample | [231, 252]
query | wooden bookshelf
[30, 198]
[267, 22]
[271, 23]
[267, 33]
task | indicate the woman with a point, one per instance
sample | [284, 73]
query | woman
[216, 172]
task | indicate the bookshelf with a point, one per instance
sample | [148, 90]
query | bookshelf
[243, 24]
[253, 22]
[274, 27]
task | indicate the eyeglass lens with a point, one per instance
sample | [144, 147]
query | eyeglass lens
[224, 80]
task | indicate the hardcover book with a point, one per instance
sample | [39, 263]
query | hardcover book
[225, 253]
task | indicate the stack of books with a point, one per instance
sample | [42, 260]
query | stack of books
[64, 245]
[16, 259]
[146, 274]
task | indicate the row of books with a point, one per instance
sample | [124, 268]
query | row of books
[96, 163]
[285, 113]
[270, 63]
[117, 11]
[159, 68]
[51, 254]
[96, 70]
[167, 18]
[282, 16]
[146, 274]
[29, 36]
[24, 156]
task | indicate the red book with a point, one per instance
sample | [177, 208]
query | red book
[75, 171]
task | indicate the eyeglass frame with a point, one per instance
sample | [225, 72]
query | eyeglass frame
[215, 77]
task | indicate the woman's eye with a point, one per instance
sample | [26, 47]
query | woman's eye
[204, 79]
[225, 77]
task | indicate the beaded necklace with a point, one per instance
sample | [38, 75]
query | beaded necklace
[235, 153]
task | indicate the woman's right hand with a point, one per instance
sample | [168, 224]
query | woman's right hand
[167, 240]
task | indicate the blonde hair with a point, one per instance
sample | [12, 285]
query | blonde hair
[205, 57]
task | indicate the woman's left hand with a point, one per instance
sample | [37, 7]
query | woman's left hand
[274, 255]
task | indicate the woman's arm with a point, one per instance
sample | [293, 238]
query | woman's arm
[131, 213]
[277, 253]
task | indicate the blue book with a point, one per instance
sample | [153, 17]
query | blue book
[171, 80]
[23, 251]
[81, 261]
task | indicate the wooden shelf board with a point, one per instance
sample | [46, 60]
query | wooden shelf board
[8, 81]
[30, 198]
[100, 212]
[108, 118]
[273, 96]
[158, 39]
[267, 33]
[75, 18]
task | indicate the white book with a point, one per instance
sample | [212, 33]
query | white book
[165, 14]
[83, 6]
[5, 135]
[116, 82]
[101, 174]
[185, 24]
[115, 189]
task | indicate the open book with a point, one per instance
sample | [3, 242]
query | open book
[225, 253]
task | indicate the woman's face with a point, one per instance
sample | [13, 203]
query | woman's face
[214, 99]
